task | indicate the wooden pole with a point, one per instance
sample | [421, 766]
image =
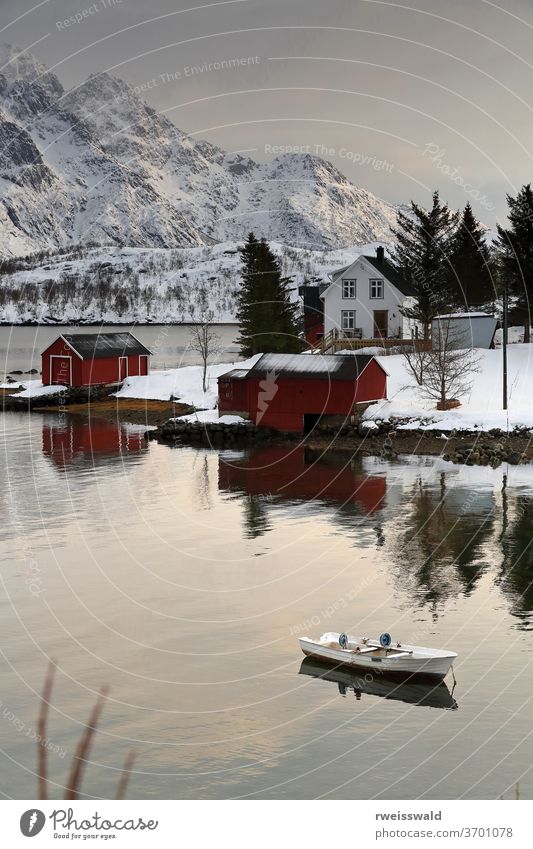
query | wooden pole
[504, 346]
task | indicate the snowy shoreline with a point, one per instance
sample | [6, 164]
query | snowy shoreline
[405, 409]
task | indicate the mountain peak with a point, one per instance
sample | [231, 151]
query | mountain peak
[110, 168]
[19, 65]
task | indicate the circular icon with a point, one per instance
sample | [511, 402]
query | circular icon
[385, 640]
[343, 640]
[32, 822]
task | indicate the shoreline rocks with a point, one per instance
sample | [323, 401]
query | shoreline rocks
[217, 434]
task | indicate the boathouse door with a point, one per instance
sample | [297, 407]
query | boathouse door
[60, 370]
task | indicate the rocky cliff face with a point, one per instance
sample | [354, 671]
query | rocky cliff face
[97, 164]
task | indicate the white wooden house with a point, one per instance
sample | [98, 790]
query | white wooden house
[364, 300]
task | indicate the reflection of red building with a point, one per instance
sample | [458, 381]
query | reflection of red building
[293, 391]
[297, 474]
[77, 442]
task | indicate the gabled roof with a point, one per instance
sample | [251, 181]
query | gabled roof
[311, 366]
[388, 270]
[383, 267]
[99, 346]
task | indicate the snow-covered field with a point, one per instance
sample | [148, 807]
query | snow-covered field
[183, 384]
[481, 408]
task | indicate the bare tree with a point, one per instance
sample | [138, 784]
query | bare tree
[452, 364]
[206, 342]
[447, 371]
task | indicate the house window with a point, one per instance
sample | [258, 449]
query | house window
[376, 288]
[348, 319]
[348, 288]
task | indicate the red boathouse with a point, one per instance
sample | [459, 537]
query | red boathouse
[91, 359]
[293, 391]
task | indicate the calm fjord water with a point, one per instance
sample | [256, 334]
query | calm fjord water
[183, 578]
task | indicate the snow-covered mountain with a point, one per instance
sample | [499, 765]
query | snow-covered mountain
[97, 164]
[144, 285]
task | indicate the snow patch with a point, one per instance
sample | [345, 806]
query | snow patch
[481, 408]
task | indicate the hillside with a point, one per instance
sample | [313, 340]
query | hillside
[123, 285]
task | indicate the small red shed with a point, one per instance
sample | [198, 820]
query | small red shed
[90, 359]
[293, 391]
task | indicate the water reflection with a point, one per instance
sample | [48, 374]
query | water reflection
[151, 582]
[444, 540]
[516, 576]
[70, 442]
[276, 474]
[410, 692]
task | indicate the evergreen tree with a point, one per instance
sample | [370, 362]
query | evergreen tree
[471, 281]
[267, 317]
[515, 250]
[421, 257]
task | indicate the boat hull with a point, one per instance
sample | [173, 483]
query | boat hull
[428, 667]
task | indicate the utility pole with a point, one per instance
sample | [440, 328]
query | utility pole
[504, 344]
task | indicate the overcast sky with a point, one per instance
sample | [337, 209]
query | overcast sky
[402, 98]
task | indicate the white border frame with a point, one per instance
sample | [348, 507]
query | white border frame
[119, 369]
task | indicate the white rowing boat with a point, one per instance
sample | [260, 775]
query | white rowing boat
[380, 656]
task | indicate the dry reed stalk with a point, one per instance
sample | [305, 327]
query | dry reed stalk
[41, 729]
[78, 762]
[125, 776]
[84, 746]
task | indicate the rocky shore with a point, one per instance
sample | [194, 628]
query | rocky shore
[387, 439]
[383, 439]
[217, 434]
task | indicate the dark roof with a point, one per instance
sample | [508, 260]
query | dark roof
[98, 346]
[313, 366]
[235, 374]
[388, 270]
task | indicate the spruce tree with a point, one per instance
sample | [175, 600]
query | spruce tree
[421, 257]
[471, 281]
[515, 253]
[267, 317]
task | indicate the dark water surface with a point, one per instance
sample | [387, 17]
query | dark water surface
[183, 579]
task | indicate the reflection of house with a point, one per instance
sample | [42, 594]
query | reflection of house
[293, 391]
[75, 442]
[297, 474]
[89, 359]
[365, 298]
